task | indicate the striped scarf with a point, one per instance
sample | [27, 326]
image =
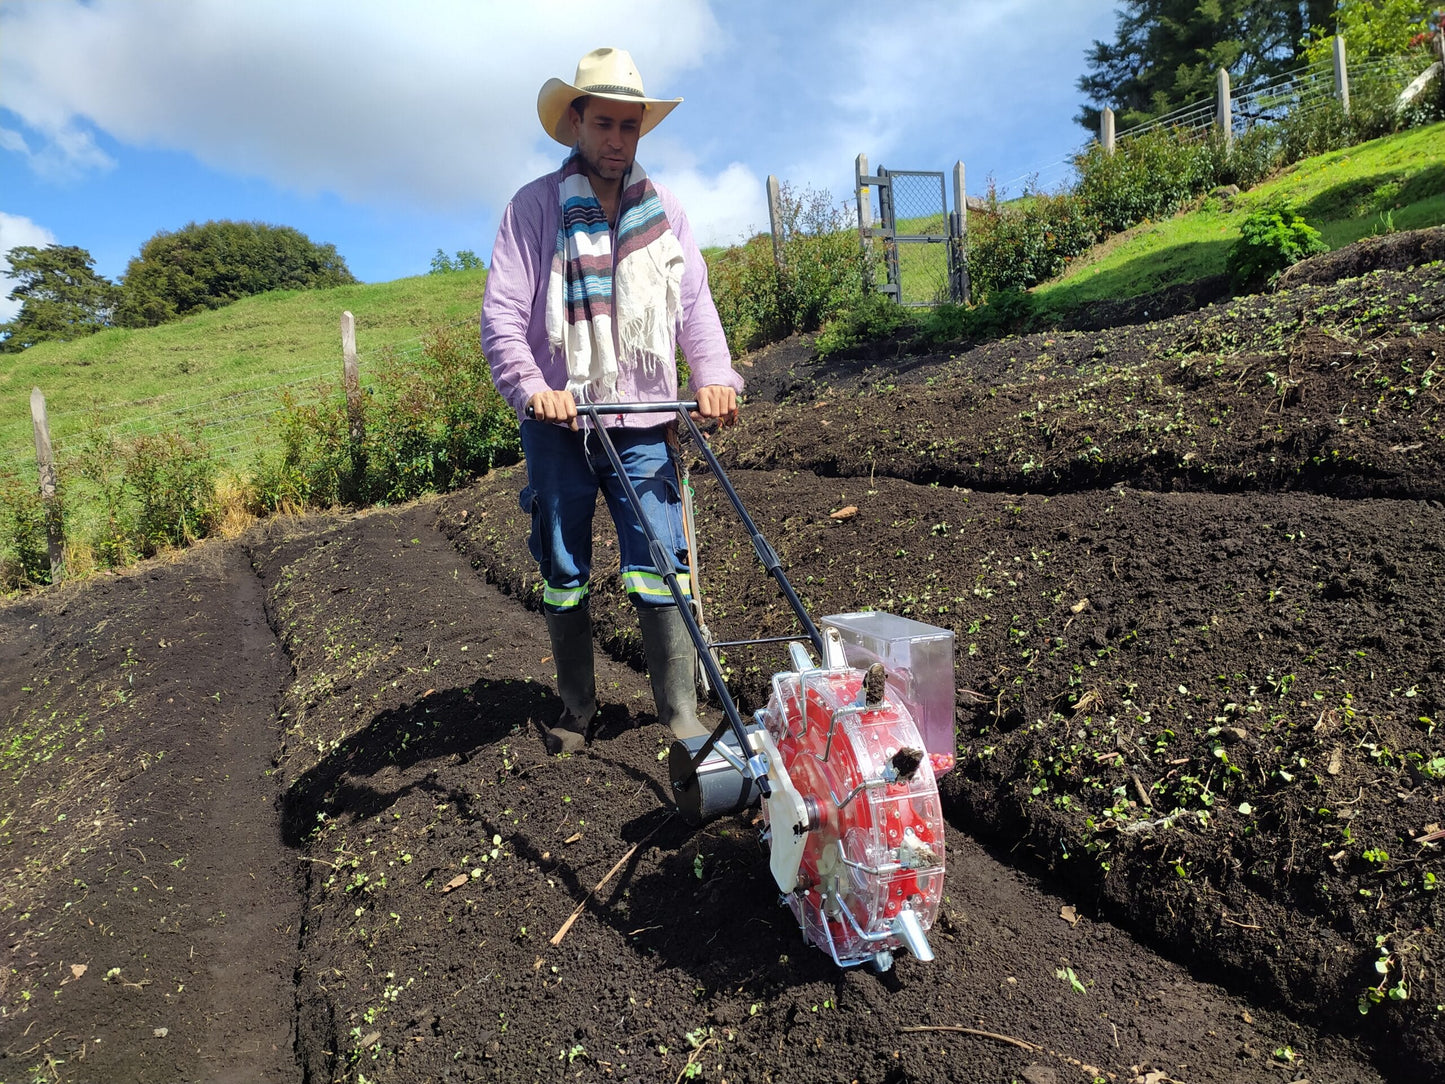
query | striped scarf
[642, 284]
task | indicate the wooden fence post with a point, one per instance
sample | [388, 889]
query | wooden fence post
[775, 214]
[351, 378]
[45, 457]
[888, 213]
[1342, 75]
[960, 235]
[1225, 115]
[865, 215]
[1106, 130]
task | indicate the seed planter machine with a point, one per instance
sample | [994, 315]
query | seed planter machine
[844, 758]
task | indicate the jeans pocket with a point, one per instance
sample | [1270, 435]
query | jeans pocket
[676, 538]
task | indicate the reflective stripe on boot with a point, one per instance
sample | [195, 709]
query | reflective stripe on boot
[672, 669]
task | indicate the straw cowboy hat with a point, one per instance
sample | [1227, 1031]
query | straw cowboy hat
[602, 73]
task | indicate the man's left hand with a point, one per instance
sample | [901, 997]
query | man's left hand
[717, 401]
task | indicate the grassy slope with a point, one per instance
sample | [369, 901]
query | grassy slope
[1398, 180]
[224, 368]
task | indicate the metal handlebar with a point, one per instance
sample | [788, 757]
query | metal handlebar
[594, 409]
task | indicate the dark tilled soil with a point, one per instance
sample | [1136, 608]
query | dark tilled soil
[279, 811]
[150, 919]
[1388, 252]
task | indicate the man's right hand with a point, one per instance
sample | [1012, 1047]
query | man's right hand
[554, 406]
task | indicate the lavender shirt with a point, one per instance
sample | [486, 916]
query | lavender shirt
[514, 310]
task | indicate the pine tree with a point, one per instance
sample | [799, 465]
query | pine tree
[61, 297]
[1165, 52]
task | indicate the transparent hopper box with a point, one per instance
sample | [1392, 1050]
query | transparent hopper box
[918, 659]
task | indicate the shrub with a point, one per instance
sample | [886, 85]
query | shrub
[1271, 239]
[1427, 108]
[1373, 113]
[101, 463]
[432, 421]
[24, 552]
[313, 467]
[1005, 312]
[1017, 245]
[745, 290]
[436, 421]
[1148, 176]
[1256, 154]
[823, 273]
[875, 317]
[173, 478]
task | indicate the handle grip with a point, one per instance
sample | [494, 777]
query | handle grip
[593, 410]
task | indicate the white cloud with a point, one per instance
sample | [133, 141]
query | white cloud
[724, 209]
[431, 105]
[16, 230]
[11, 140]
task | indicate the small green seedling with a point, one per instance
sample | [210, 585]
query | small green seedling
[1066, 974]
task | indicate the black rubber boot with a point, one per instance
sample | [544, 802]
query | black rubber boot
[672, 669]
[571, 633]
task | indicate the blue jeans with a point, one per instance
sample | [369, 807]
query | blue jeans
[565, 469]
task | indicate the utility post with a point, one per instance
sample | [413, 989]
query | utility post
[49, 494]
[351, 379]
[1106, 131]
[958, 223]
[865, 214]
[1225, 115]
[1342, 75]
[355, 410]
[775, 216]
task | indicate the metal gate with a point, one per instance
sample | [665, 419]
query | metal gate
[922, 252]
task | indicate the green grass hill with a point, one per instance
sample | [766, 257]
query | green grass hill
[1393, 183]
[223, 370]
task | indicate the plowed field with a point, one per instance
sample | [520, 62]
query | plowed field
[277, 809]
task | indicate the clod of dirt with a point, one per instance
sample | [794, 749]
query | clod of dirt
[874, 684]
[906, 761]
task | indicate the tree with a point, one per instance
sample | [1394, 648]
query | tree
[465, 260]
[1371, 28]
[1166, 52]
[210, 265]
[61, 297]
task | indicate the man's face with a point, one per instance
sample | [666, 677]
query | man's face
[607, 134]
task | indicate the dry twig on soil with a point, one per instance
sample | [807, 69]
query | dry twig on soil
[577, 911]
[995, 1036]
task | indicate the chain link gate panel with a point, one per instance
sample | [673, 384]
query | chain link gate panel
[918, 235]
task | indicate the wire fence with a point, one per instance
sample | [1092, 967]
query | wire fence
[1300, 93]
[236, 423]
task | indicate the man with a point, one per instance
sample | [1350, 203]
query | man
[595, 279]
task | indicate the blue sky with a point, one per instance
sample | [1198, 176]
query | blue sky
[393, 129]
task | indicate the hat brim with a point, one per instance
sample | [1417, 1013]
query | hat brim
[555, 96]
